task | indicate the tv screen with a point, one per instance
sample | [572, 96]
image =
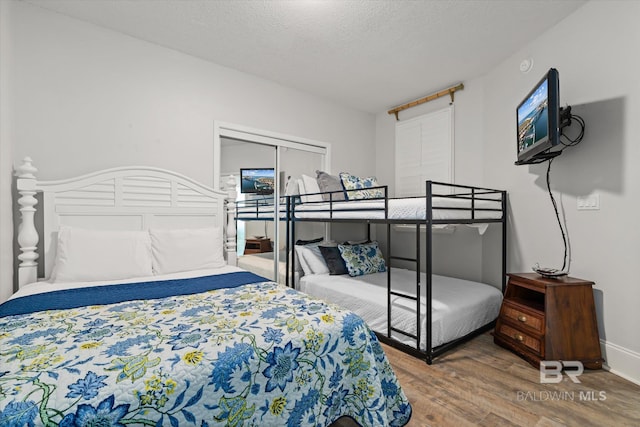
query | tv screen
[257, 181]
[538, 117]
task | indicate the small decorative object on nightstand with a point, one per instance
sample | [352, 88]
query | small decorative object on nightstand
[257, 245]
[549, 319]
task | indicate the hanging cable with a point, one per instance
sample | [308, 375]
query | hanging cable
[555, 208]
[566, 120]
[569, 143]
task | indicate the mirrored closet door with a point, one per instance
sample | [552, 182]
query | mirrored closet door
[266, 167]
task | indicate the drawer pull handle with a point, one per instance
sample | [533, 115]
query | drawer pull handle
[518, 337]
[522, 318]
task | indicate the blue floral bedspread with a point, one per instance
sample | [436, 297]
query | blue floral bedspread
[258, 354]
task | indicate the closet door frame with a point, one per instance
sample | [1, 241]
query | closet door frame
[278, 141]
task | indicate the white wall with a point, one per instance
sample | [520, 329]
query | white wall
[594, 50]
[6, 224]
[85, 98]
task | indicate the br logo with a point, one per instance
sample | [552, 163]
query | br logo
[551, 371]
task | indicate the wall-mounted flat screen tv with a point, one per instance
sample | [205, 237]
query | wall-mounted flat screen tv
[257, 180]
[538, 118]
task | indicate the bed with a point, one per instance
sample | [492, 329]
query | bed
[416, 328]
[204, 346]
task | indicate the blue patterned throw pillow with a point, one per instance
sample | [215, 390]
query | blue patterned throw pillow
[362, 259]
[360, 188]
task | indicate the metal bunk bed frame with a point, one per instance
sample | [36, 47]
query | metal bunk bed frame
[474, 194]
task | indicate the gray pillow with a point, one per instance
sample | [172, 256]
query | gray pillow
[329, 183]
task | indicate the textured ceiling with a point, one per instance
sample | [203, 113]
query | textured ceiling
[368, 55]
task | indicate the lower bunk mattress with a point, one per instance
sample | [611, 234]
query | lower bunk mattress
[459, 306]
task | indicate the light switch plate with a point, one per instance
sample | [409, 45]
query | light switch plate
[589, 202]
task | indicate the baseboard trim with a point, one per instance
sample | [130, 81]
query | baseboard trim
[621, 361]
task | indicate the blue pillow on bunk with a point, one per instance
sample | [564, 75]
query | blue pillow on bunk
[360, 188]
[363, 259]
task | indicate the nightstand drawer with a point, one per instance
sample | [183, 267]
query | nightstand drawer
[520, 338]
[526, 318]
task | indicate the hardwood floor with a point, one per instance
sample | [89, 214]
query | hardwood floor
[479, 383]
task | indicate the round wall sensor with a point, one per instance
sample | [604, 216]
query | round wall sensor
[526, 65]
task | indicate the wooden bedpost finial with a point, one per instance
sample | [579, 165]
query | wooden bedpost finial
[230, 247]
[27, 233]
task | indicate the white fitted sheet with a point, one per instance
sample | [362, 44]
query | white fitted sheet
[459, 306]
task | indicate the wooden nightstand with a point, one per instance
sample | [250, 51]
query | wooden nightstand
[257, 246]
[549, 319]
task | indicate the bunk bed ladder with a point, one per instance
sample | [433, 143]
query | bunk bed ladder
[291, 248]
[504, 240]
[429, 269]
[288, 282]
[391, 292]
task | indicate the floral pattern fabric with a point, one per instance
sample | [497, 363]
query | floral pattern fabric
[257, 354]
[362, 259]
[360, 188]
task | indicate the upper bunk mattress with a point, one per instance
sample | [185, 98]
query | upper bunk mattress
[459, 306]
[414, 208]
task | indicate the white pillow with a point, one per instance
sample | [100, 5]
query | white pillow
[301, 191]
[91, 255]
[311, 260]
[311, 186]
[291, 187]
[300, 261]
[186, 249]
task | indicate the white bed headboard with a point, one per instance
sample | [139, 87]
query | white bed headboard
[125, 198]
